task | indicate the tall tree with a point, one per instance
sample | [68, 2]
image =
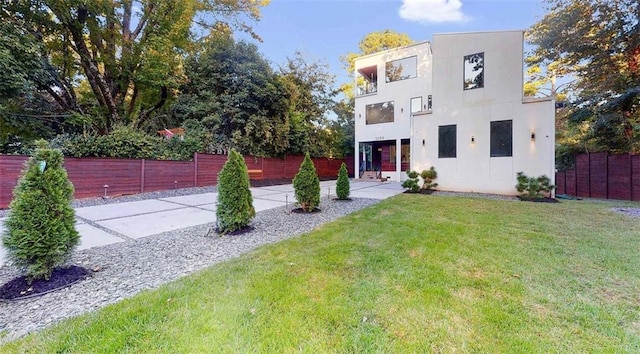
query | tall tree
[234, 92]
[310, 92]
[128, 52]
[598, 42]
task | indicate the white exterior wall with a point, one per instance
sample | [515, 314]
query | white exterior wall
[400, 92]
[501, 98]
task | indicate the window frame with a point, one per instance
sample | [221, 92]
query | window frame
[496, 147]
[372, 106]
[465, 85]
[443, 146]
[413, 75]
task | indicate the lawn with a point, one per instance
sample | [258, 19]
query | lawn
[414, 273]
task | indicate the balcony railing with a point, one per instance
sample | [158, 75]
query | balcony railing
[368, 88]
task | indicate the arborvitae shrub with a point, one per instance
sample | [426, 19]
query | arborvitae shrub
[412, 182]
[427, 177]
[234, 209]
[307, 185]
[41, 232]
[342, 185]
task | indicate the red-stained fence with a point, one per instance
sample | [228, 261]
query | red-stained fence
[130, 176]
[602, 175]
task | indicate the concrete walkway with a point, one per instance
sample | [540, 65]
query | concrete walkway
[118, 222]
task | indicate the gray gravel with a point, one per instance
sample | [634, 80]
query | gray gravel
[132, 266]
[634, 212]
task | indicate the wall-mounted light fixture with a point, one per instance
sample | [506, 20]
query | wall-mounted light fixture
[401, 110]
[422, 142]
[359, 115]
[533, 135]
[473, 139]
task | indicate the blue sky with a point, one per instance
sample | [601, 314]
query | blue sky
[324, 30]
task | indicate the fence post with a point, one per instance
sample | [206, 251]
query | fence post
[142, 176]
[195, 169]
[589, 174]
[607, 175]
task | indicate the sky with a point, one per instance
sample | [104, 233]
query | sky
[324, 30]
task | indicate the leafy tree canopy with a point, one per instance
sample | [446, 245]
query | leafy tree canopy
[124, 57]
[598, 42]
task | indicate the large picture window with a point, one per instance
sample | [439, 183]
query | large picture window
[447, 141]
[379, 113]
[474, 71]
[401, 69]
[501, 138]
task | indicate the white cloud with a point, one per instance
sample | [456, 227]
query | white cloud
[432, 11]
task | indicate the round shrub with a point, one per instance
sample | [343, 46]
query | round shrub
[307, 185]
[235, 204]
[41, 232]
[342, 185]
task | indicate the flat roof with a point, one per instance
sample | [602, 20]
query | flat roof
[393, 49]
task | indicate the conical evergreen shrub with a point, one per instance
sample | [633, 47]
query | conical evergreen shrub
[307, 185]
[41, 232]
[342, 185]
[235, 204]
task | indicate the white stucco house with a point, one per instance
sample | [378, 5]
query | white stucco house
[456, 103]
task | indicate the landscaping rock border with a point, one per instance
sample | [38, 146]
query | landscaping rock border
[129, 267]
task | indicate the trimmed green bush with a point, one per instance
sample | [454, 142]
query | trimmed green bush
[427, 178]
[411, 183]
[342, 185]
[41, 232]
[532, 187]
[307, 185]
[234, 209]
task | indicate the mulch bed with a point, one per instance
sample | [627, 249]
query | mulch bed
[19, 288]
[302, 211]
[422, 191]
[539, 200]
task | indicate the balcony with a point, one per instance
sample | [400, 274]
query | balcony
[367, 80]
[367, 88]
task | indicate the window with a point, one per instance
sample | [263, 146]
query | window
[392, 154]
[416, 104]
[405, 149]
[447, 141]
[401, 69]
[379, 113]
[501, 138]
[474, 71]
[367, 80]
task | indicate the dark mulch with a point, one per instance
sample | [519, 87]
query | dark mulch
[19, 288]
[422, 191]
[242, 231]
[302, 211]
[538, 200]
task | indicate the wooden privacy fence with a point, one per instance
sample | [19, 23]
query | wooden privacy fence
[130, 176]
[602, 175]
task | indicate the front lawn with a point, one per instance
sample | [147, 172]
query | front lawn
[414, 273]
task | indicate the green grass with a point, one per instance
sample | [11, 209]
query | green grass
[411, 274]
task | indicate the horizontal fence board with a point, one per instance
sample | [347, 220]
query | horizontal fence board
[126, 176]
[602, 175]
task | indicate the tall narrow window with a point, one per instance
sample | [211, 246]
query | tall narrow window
[474, 71]
[447, 141]
[501, 138]
[392, 154]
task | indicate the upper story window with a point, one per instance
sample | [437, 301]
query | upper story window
[367, 80]
[416, 104]
[379, 113]
[401, 69]
[474, 71]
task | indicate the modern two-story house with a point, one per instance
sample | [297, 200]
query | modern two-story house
[457, 104]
